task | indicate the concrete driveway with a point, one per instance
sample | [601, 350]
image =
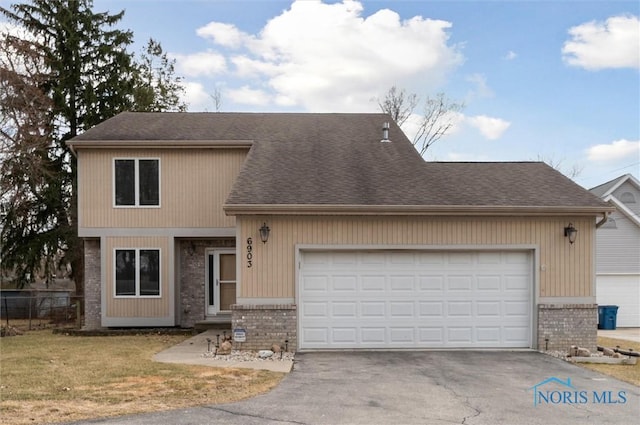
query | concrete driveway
[426, 387]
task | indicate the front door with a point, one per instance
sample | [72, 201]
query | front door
[220, 287]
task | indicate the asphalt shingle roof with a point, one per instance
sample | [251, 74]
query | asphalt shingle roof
[339, 159]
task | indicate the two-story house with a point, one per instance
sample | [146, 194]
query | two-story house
[329, 231]
[618, 250]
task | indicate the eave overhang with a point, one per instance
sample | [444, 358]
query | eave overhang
[423, 210]
[159, 144]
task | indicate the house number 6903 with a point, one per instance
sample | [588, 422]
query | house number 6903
[249, 252]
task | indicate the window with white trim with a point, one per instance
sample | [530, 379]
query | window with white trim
[136, 182]
[137, 272]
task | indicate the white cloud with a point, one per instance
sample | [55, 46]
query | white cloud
[248, 96]
[489, 127]
[616, 150]
[511, 55]
[196, 96]
[329, 57]
[614, 43]
[200, 64]
[412, 125]
[482, 89]
[223, 34]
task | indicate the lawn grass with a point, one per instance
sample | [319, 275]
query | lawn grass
[627, 373]
[47, 378]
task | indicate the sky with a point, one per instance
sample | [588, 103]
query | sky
[551, 80]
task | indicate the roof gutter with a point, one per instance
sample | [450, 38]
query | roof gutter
[605, 217]
[429, 210]
[158, 144]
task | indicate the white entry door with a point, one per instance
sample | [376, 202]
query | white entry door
[415, 299]
[220, 285]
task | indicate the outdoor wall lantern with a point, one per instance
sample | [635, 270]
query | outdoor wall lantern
[264, 233]
[571, 233]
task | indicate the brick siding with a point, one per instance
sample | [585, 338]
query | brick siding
[567, 324]
[192, 278]
[92, 285]
[266, 325]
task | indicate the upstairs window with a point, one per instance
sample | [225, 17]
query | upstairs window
[137, 272]
[136, 182]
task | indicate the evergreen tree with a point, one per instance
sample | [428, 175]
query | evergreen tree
[87, 75]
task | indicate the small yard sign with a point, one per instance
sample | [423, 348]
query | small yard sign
[239, 335]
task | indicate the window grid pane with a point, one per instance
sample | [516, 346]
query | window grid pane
[149, 272]
[149, 182]
[125, 272]
[125, 182]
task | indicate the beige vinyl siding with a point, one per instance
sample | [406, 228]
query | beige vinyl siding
[194, 184]
[138, 307]
[565, 270]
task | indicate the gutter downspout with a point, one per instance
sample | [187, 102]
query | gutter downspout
[604, 219]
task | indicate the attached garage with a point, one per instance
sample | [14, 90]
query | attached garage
[381, 299]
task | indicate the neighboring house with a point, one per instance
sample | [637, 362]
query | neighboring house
[618, 250]
[368, 245]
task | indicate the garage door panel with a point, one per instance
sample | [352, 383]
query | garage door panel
[401, 335]
[431, 336]
[489, 283]
[516, 282]
[343, 335]
[431, 283]
[434, 299]
[314, 309]
[430, 308]
[372, 335]
[459, 283]
[488, 309]
[459, 258]
[401, 283]
[373, 309]
[401, 309]
[514, 309]
[314, 283]
[344, 309]
[460, 334]
[342, 283]
[487, 334]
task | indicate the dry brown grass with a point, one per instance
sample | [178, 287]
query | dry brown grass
[627, 373]
[47, 377]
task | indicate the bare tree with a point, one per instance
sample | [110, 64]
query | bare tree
[558, 164]
[217, 99]
[398, 104]
[437, 118]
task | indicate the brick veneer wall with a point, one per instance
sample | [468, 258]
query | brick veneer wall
[92, 284]
[566, 325]
[266, 325]
[192, 277]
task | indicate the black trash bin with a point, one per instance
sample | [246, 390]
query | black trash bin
[607, 315]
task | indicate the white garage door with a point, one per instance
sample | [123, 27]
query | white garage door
[414, 299]
[623, 291]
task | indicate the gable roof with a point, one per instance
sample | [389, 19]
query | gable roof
[605, 189]
[606, 192]
[314, 163]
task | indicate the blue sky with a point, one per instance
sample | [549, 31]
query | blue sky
[557, 80]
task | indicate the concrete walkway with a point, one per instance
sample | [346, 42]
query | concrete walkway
[193, 351]
[629, 334]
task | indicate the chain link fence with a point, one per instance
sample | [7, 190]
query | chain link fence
[35, 309]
